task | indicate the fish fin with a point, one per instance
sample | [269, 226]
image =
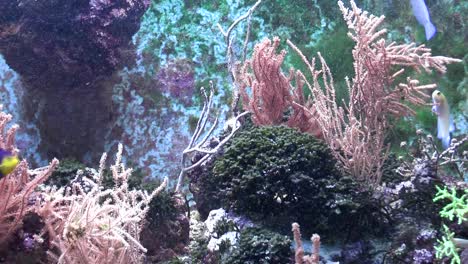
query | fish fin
[430, 30]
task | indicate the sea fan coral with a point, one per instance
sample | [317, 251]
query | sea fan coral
[356, 132]
[268, 93]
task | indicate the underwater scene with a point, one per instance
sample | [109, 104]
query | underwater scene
[234, 131]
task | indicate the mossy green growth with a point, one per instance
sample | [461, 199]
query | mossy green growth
[389, 170]
[295, 20]
[198, 248]
[161, 208]
[138, 180]
[276, 176]
[260, 246]
[68, 168]
[336, 48]
[404, 129]
[271, 171]
[192, 122]
[65, 172]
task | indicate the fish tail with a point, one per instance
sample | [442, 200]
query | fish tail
[430, 30]
[443, 130]
[446, 142]
[442, 127]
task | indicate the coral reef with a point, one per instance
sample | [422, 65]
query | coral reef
[177, 80]
[345, 177]
[449, 246]
[11, 94]
[82, 220]
[72, 43]
[65, 172]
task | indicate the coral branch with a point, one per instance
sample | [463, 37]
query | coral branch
[17, 187]
[268, 94]
[87, 223]
[299, 254]
[200, 146]
[356, 131]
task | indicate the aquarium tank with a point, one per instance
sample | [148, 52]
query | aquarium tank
[234, 131]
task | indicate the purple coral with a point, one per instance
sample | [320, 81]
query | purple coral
[423, 256]
[28, 242]
[177, 79]
[426, 235]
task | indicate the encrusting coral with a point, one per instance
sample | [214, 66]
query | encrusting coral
[17, 187]
[90, 224]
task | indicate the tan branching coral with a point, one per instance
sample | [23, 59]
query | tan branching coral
[356, 132]
[299, 252]
[16, 188]
[268, 93]
[89, 224]
[377, 64]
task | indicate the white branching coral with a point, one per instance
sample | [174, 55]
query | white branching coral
[89, 224]
[16, 188]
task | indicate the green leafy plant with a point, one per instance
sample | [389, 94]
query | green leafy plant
[447, 248]
[456, 209]
[161, 209]
[65, 172]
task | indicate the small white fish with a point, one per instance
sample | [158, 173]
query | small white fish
[421, 13]
[444, 120]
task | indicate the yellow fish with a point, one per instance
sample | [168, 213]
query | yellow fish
[8, 162]
[444, 120]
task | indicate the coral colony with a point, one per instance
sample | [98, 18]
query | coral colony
[291, 155]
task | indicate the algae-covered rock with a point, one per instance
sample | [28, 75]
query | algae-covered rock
[165, 233]
[276, 176]
[260, 246]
